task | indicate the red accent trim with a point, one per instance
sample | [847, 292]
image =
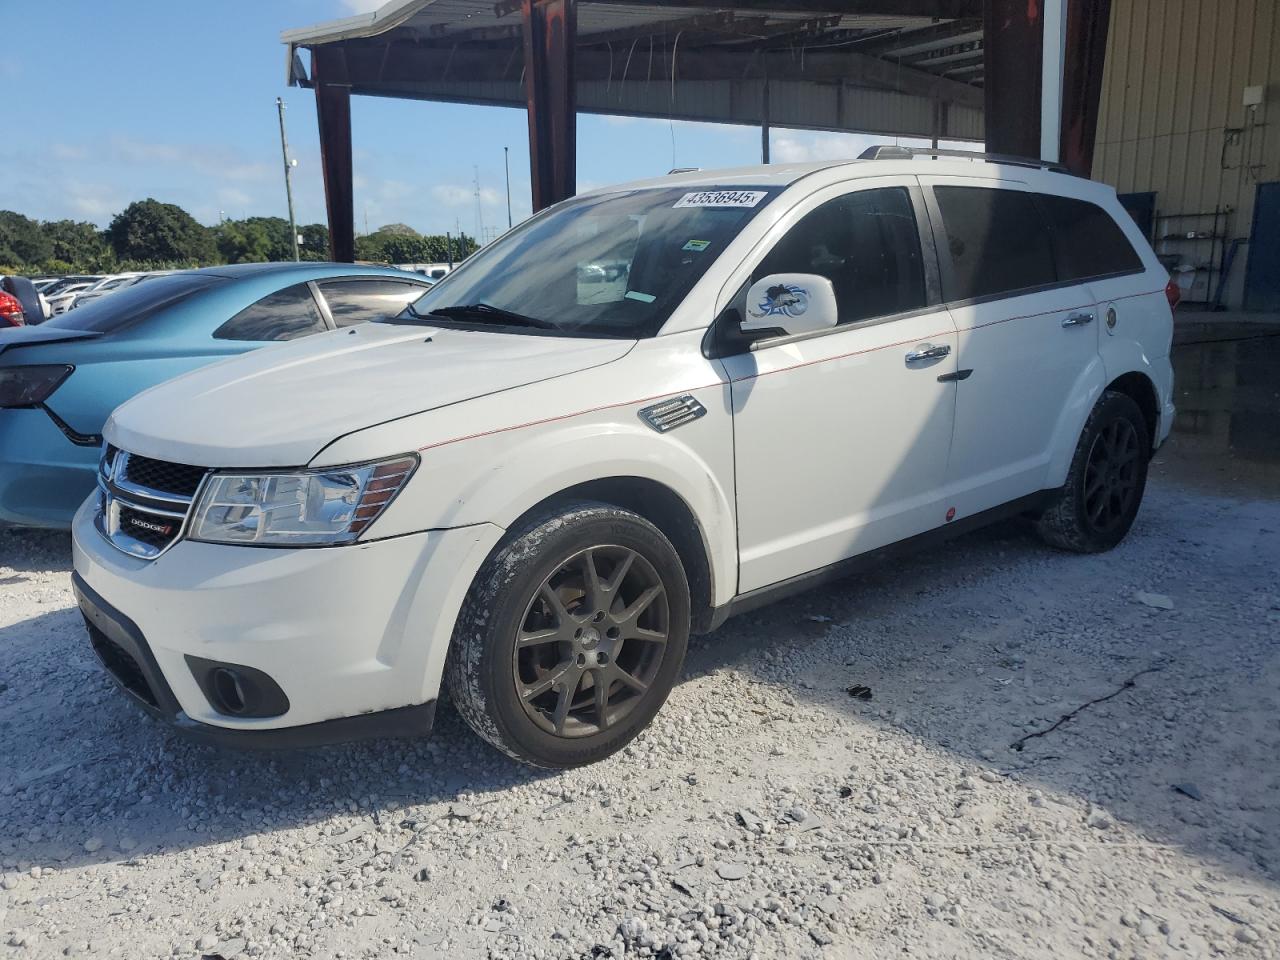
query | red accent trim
[570, 416]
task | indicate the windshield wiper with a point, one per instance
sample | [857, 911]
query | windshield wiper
[413, 315]
[488, 312]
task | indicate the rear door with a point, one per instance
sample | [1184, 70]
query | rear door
[1026, 337]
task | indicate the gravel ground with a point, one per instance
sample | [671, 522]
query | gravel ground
[768, 812]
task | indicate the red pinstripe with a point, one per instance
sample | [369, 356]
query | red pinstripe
[755, 376]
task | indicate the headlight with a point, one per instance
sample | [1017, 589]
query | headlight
[315, 508]
[27, 386]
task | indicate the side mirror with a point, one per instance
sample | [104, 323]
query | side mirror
[793, 302]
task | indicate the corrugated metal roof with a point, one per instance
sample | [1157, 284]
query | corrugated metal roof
[470, 51]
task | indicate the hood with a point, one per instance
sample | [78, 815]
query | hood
[280, 406]
[11, 337]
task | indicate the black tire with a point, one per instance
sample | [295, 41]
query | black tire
[1094, 510]
[537, 585]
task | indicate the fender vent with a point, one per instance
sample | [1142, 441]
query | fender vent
[669, 414]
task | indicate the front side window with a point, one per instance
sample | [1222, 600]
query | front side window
[1089, 243]
[358, 301]
[866, 243]
[615, 265]
[284, 315]
[998, 241]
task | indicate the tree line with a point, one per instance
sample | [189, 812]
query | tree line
[150, 235]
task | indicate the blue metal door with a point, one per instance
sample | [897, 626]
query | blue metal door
[1262, 280]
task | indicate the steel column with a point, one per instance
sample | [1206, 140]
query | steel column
[333, 112]
[1088, 23]
[550, 29]
[1013, 41]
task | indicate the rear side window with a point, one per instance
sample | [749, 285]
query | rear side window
[866, 243]
[998, 240]
[1089, 243]
[134, 304]
[359, 301]
[284, 315]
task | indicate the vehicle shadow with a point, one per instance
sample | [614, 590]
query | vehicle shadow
[958, 657]
[25, 550]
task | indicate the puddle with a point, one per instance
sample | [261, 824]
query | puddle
[1226, 436]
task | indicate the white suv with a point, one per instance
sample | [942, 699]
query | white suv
[532, 485]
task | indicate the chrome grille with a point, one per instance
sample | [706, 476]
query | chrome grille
[143, 503]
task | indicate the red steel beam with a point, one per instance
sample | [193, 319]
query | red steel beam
[1088, 23]
[333, 113]
[550, 29]
[1013, 41]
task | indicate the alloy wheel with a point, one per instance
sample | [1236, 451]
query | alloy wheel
[1111, 476]
[591, 641]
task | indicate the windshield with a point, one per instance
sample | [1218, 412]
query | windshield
[615, 265]
[134, 303]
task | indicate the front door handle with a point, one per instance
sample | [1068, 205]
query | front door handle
[1078, 320]
[926, 352]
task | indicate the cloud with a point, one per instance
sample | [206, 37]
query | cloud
[211, 159]
[362, 6]
[93, 201]
[800, 147]
[455, 195]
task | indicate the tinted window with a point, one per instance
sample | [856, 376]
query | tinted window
[1088, 242]
[998, 240]
[358, 301]
[284, 315]
[866, 244]
[134, 303]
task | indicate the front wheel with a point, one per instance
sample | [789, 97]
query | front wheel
[1095, 508]
[572, 636]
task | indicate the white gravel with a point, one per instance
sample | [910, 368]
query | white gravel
[767, 812]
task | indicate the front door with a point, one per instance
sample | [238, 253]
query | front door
[841, 438]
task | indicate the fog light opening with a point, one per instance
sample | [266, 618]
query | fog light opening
[229, 691]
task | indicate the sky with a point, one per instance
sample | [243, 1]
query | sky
[109, 102]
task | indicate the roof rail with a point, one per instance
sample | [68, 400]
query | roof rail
[893, 152]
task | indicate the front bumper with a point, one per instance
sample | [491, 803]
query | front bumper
[355, 637]
[44, 477]
[125, 653]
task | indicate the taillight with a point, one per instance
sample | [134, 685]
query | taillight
[10, 311]
[1173, 293]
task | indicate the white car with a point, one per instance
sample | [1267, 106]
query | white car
[533, 498]
[61, 301]
[109, 285]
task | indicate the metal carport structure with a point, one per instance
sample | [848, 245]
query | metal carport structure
[940, 69]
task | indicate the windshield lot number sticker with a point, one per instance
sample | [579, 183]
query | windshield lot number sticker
[721, 198]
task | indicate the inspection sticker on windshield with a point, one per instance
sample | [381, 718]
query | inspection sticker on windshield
[721, 198]
[697, 246]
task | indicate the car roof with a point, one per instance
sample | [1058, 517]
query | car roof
[233, 271]
[782, 175]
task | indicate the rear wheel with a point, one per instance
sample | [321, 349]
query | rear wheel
[1096, 507]
[571, 637]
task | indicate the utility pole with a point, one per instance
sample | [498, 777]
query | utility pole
[506, 162]
[479, 208]
[288, 179]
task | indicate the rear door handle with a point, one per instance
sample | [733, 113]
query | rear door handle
[1078, 320]
[926, 352]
